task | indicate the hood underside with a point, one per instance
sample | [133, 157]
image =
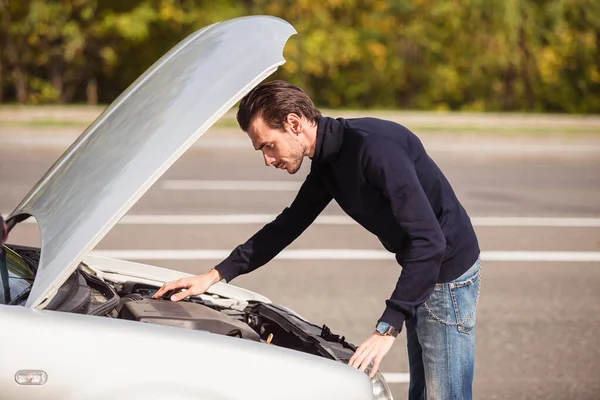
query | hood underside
[140, 135]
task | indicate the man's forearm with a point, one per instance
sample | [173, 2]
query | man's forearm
[415, 284]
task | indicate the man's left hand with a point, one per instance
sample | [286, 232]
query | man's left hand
[373, 349]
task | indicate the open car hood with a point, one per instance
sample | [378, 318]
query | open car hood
[143, 132]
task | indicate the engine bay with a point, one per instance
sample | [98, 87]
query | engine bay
[262, 322]
[84, 292]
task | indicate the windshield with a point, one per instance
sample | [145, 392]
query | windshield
[20, 276]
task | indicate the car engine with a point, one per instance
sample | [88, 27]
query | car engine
[187, 315]
[86, 293]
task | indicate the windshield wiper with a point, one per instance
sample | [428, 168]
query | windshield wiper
[4, 275]
[3, 265]
[20, 297]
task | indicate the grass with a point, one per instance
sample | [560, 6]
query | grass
[466, 129]
[438, 122]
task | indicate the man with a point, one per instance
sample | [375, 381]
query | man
[380, 175]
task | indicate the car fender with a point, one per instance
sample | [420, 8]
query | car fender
[91, 354]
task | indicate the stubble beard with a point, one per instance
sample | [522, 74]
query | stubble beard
[296, 168]
[297, 151]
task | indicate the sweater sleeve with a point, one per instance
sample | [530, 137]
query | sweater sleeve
[311, 199]
[389, 168]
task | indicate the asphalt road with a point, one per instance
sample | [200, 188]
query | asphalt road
[537, 321]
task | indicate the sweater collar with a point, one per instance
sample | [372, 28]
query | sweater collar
[330, 135]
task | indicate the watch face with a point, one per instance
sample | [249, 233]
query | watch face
[382, 327]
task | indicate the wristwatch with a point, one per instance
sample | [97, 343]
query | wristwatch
[385, 329]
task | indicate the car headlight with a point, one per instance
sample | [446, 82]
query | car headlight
[381, 390]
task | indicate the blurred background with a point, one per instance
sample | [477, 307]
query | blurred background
[472, 55]
[504, 94]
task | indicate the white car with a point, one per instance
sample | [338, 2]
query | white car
[76, 326]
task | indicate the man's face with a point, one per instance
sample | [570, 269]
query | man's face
[281, 148]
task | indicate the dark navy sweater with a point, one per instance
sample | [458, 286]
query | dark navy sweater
[381, 176]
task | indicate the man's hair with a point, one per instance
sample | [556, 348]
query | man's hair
[273, 101]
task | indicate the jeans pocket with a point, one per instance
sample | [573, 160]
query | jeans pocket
[455, 303]
[465, 296]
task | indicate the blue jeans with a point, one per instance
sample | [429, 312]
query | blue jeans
[441, 340]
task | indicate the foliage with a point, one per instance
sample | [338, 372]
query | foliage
[532, 55]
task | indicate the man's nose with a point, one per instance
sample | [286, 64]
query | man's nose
[268, 160]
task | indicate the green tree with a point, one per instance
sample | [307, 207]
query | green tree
[537, 55]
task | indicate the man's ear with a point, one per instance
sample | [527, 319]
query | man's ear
[294, 122]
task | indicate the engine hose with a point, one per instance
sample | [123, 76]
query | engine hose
[235, 333]
[105, 308]
[106, 290]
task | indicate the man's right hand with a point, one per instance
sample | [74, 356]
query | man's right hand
[195, 285]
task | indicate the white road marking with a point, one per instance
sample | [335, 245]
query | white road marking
[244, 219]
[553, 222]
[396, 377]
[347, 254]
[271, 186]
[545, 256]
[227, 219]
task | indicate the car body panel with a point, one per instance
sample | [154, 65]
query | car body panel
[144, 131]
[87, 357]
[122, 271]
